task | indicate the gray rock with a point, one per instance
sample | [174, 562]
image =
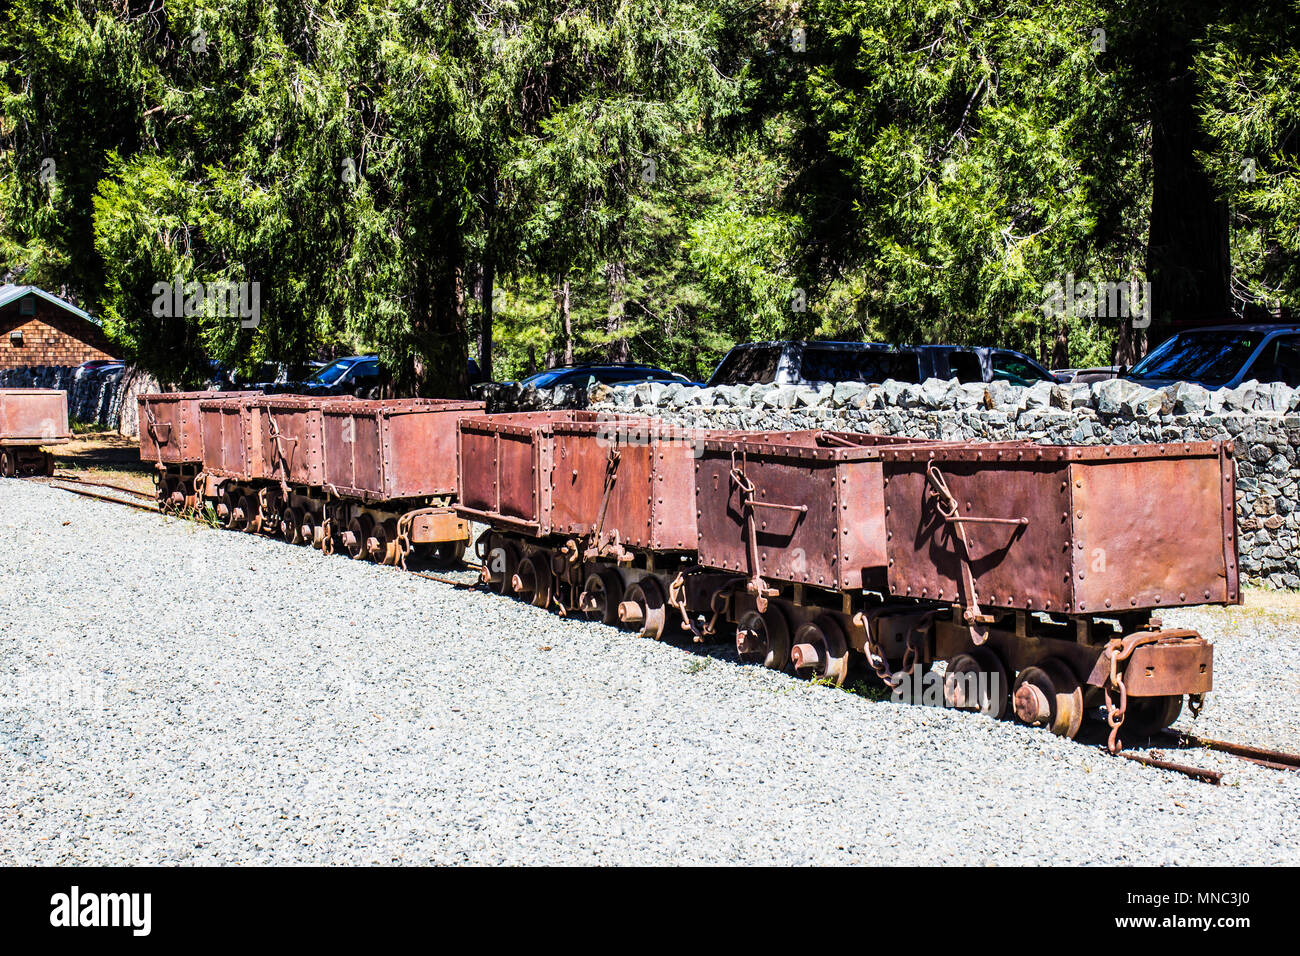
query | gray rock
[1109, 395]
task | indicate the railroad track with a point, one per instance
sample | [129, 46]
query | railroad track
[98, 490]
[1261, 756]
[1157, 745]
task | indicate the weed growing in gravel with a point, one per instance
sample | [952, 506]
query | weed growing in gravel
[694, 667]
[858, 688]
[207, 516]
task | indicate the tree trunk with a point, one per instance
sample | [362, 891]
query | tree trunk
[566, 320]
[1060, 357]
[1188, 262]
[485, 322]
[616, 280]
[487, 288]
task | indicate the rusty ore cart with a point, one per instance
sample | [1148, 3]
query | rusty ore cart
[30, 420]
[376, 478]
[1032, 571]
[171, 436]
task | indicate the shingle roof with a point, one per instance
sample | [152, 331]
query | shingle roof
[11, 293]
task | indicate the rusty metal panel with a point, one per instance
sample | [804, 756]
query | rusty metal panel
[420, 446]
[507, 466]
[1079, 505]
[171, 426]
[232, 446]
[437, 526]
[34, 416]
[352, 449]
[476, 464]
[585, 454]
[1151, 529]
[291, 436]
[390, 449]
[818, 506]
[1171, 668]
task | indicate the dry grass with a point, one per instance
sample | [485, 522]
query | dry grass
[104, 456]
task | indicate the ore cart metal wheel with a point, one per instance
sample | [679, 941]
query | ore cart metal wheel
[382, 544]
[252, 514]
[645, 607]
[977, 681]
[764, 638]
[532, 580]
[310, 530]
[500, 565]
[1049, 695]
[821, 650]
[1145, 716]
[601, 594]
[450, 552]
[225, 510]
[358, 533]
[164, 494]
[175, 494]
[238, 517]
[8, 462]
[291, 527]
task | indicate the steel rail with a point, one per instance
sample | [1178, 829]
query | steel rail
[87, 493]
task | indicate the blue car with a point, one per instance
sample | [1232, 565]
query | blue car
[614, 374]
[1224, 356]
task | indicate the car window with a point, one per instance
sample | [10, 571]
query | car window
[331, 373]
[1278, 362]
[1209, 357]
[829, 364]
[748, 366]
[1014, 369]
[965, 366]
[364, 370]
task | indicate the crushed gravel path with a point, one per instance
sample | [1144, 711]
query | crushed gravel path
[174, 694]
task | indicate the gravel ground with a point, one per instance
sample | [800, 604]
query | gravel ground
[174, 694]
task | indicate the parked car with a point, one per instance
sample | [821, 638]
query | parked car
[1223, 356]
[1096, 373]
[355, 375]
[100, 365]
[812, 363]
[584, 376]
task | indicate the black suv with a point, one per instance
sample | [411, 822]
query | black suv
[812, 363]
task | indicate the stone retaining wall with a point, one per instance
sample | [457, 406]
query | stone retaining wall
[102, 397]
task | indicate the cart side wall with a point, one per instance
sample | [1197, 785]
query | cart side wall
[1153, 533]
[33, 415]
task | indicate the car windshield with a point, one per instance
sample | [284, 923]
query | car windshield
[1016, 370]
[836, 364]
[1209, 357]
[331, 373]
[753, 365]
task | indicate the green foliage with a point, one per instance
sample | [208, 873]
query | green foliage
[1250, 69]
[695, 174]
